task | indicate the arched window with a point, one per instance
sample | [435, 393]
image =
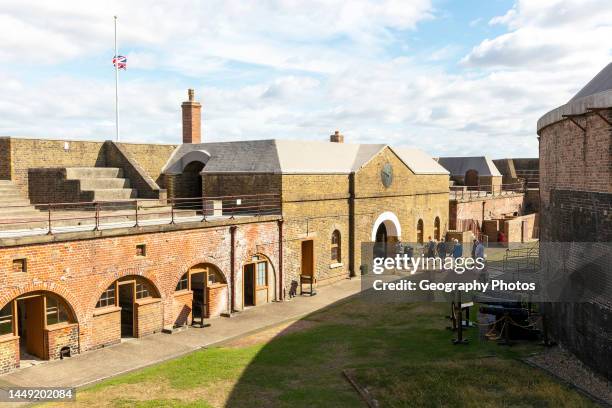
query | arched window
[140, 289]
[108, 297]
[336, 255]
[183, 283]
[6, 319]
[57, 311]
[420, 232]
[437, 228]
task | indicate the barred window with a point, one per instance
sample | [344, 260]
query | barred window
[108, 297]
[57, 311]
[261, 275]
[335, 247]
[6, 319]
[183, 283]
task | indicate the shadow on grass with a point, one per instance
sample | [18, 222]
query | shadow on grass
[401, 352]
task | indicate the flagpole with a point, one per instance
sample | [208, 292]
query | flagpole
[116, 86]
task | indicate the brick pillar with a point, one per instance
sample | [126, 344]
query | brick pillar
[192, 119]
[336, 137]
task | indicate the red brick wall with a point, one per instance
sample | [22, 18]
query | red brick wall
[59, 336]
[9, 353]
[106, 327]
[514, 228]
[575, 205]
[148, 317]
[494, 207]
[79, 271]
[217, 299]
[573, 160]
[182, 308]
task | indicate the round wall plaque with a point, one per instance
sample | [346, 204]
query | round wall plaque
[386, 175]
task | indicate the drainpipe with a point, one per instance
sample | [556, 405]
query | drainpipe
[281, 292]
[232, 267]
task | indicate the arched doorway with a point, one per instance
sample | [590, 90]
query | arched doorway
[36, 317]
[209, 288]
[190, 186]
[258, 282]
[386, 231]
[130, 294]
[420, 232]
[471, 179]
[437, 228]
[380, 245]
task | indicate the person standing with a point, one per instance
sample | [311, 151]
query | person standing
[441, 249]
[479, 253]
[431, 248]
[457, 249]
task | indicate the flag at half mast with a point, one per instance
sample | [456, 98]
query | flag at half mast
[120, 62]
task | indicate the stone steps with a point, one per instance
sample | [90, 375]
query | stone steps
[101, 183]
[93, 172]
[104, 183]
[14, 206]
[114, 194]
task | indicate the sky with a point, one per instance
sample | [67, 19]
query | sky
[449, 77]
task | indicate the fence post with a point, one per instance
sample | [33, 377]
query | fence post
[171, 211]
[49, 232]
[97, 227]
[136, 204]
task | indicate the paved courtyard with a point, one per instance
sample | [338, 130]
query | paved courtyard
[133, 354]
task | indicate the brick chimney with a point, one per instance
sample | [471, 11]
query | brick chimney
[192, 119]
[336, 137]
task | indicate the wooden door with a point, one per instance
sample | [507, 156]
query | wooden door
[126, 302]
[248, 286]
[471, 179]
[35, 324]
[198, 286]
[261, 283]
[308, 258]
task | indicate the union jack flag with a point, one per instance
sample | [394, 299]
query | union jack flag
[120, 61]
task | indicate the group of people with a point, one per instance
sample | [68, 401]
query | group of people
[453, 248]
[443, 249]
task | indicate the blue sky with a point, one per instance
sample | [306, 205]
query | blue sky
[450, 77]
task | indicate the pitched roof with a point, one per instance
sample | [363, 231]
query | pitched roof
[458, 166]
[600, 83]
[291, 157]
[596, 94]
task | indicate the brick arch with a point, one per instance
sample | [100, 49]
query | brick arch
[277, 284]
[50, 287]
[101, 287]
[186, 266]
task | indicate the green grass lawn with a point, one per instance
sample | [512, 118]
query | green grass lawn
[400, 352]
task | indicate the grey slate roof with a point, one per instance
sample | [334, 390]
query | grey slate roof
[458, 166]
[596, 94]
[600, 83]
[291, 157]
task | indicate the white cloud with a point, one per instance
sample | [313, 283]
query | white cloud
[301, 68]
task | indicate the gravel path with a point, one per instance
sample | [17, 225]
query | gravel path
[566, 366]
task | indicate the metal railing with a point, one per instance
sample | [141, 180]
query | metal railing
[473, 192]
[96, 215]
[518, 261]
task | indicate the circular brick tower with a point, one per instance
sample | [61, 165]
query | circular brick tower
[576, 220]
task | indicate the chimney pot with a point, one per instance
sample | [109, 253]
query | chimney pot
[336, 137]
[192, 119]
